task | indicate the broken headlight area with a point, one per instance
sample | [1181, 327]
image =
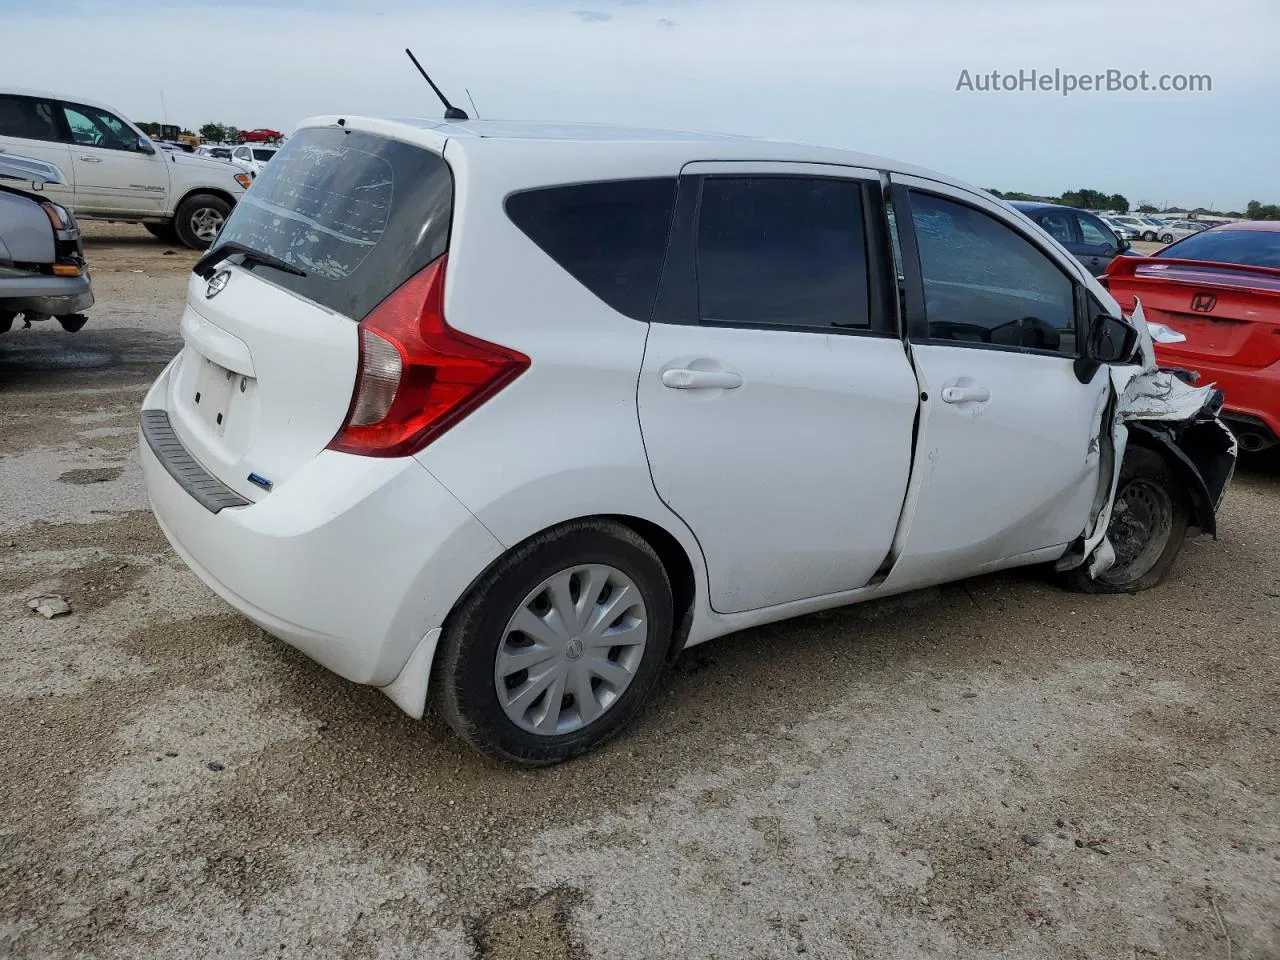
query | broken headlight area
[1163, 410]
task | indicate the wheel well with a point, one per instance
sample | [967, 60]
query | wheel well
[211, 191]
[679, 571]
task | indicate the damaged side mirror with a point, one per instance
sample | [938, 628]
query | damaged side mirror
[1110, 340]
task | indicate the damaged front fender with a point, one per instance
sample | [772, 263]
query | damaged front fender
[1158, 409]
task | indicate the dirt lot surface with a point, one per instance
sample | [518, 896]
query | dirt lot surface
[995, 769]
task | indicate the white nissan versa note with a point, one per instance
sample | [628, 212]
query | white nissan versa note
[511, 413]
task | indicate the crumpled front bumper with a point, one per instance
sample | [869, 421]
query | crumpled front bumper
[1159, 408]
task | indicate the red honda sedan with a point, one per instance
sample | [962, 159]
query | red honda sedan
[1220, 289]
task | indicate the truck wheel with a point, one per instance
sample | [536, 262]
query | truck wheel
[1148, 525]
[199, 219]
[163, 231]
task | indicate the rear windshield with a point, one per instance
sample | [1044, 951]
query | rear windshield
[1252, 248]
[359, 213]
[263, 154]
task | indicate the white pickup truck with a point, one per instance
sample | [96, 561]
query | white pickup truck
[114, 172]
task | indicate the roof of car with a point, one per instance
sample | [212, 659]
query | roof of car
[1034, 206]
[53, 95]
[686, 144]
[1261, 226]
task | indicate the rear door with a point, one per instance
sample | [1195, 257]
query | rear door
[1098, 245]
[270, 358]
[112, 174]
[32, 127]
[776, 401]
[1007, 467]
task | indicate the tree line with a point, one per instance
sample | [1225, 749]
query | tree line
[1098, 200]
[209, 132]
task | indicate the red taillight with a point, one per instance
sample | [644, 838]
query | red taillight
[417, 376]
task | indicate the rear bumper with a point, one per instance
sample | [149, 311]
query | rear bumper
[1249, 394]
[351, 560]
[45, 295]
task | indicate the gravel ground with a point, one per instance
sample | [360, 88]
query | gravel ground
[994, 769]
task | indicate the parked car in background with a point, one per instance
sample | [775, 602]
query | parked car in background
[1181, 228]
[1220, 290]
[1152, 228]
[360, 445]
[1133, 223]
[261, 135]
[1121, 230]
[113, 171]
[42, 268]
[214, 151]
[1085, 235]
[252, 158]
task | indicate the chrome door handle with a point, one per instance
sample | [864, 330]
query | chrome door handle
[681, 379]
[91, 159]
[965, 394]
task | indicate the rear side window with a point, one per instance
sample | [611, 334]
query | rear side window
[984, 283]
[782, 251]
[360, 214]
[609, 236]
[28, 119]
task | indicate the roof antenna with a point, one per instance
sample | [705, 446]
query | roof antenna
[450, 111]
[474, 108]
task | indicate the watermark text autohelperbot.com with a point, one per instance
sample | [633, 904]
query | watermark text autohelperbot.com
[1065, 83]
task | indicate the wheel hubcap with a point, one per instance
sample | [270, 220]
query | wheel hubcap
[205, 223]
[571, 649]
[1141, 522]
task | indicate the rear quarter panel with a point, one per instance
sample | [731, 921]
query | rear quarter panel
[563, 440]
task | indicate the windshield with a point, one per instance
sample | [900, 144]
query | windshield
[358, 213]
[263, 155]
[1251, 248]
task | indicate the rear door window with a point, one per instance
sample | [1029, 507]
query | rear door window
[359, 213]
[609, 236]
[28, 119]
[783, 251]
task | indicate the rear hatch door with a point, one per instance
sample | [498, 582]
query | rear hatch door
[337, 221]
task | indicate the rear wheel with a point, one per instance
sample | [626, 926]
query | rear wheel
[558, 646]
[199, 219]
[163, 231]
[1167, 238]
[1149, 235]
[1148, 525]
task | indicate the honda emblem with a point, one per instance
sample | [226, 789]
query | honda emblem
[1203, 302]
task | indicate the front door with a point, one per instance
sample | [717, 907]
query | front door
[112, 174]
[1008, 458]
[776, 401]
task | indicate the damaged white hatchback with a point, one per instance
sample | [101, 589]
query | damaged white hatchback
[508, 415]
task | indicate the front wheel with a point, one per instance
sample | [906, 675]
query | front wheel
[558, 646]
[1149, 521]
[163, 231]
[199, 219]
[1167, 238]
[1149, 236]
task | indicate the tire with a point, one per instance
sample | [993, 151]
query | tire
[6, 320]
[163, 231]
[1167, 238]
[1148, 526]
[200, 217]
[1149, 236]
[481, 645]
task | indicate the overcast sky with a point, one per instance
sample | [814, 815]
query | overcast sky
[872, 75]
